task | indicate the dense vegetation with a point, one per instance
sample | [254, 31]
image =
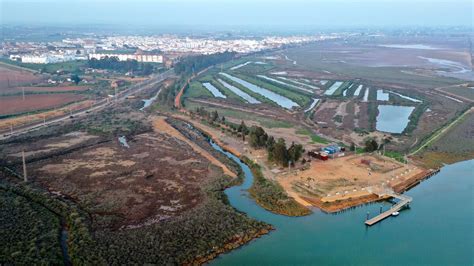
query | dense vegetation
[29, 232]
[81, 246]
[113, 63]
[202, 233]
[277, 151]
[193, 64]
[212, 228]
[271, 195]
[116, 121]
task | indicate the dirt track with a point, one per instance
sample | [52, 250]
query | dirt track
[161, 126]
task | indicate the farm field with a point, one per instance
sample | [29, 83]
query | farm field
[16, 104]
[17, 90]
[10, 76]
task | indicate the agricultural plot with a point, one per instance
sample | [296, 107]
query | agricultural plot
[43, 89]
[34, 102]
[11, 77]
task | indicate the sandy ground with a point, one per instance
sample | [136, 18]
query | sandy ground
[161, 126]
[348, 177]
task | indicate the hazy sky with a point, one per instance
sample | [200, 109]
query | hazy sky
[239, 12]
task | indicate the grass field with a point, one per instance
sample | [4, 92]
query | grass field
[456, 144]
[464, 92]
[314, 138]
[264, 121]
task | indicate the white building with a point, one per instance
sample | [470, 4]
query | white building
[124, 57]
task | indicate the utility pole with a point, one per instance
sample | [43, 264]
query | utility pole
[23, 90]
[25, 178]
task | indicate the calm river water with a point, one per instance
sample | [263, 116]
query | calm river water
[436, 230]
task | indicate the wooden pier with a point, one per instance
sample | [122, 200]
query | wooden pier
[404, 200]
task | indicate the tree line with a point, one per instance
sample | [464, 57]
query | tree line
[277, 150]
[194, 64]
[113, 63]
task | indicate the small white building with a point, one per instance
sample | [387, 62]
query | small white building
[146, 58]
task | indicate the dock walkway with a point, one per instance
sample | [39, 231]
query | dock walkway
[404, 200]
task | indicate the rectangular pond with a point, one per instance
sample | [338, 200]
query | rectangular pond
[284, 83]
[240, 65]
[278, 99]
[382, 96]
[213, 90]
[366, 95]
[393, 118]
[313, 104]
[239, 93]
[299, 83]
[333, 88]
[357, 91]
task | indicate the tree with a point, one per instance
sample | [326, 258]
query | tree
[280, 153]
[258, 137]
[352, 147]
[243, 129]
[214, 116]
[270, 145]
[75, 78]
[295, 152]
[371, 145]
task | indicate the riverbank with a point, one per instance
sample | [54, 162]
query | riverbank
[267, 193]
[416, 237]
[236, 242]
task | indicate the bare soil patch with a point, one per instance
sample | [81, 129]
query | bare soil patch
[352, 178]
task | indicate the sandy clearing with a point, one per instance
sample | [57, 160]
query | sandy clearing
[346, 178]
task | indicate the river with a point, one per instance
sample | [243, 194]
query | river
[435, 230]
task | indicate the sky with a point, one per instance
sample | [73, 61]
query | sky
[251, 13]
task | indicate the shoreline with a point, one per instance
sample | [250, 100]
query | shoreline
[308, 202]
[235, 243]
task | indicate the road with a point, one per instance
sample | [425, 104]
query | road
[120, 97]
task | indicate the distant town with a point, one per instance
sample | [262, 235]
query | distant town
[153, 49]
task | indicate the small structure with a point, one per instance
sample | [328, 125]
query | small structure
[318, 155]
